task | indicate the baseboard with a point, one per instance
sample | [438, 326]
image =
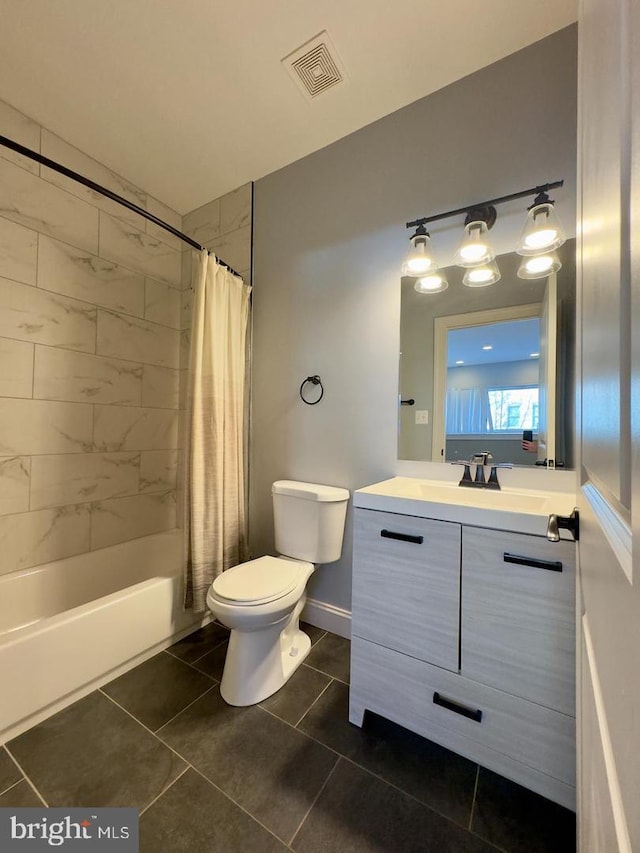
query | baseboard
[328, 617]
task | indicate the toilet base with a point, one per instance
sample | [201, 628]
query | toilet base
[259, 663]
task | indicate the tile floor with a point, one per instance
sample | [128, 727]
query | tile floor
[289, 774]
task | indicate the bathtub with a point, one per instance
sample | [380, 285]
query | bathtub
[70, 626]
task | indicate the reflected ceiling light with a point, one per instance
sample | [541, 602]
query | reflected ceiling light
[435, 282]
[420, 258]
[460, 361]
[542, 231]
[539, 266]
[476, 247]
[487, 347]
[534, 355]
[482, 276]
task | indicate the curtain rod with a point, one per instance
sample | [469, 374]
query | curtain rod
[92, 185]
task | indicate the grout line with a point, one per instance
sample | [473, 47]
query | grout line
[6, 790]
[164, 790]
[315, 800]
[473, 799]
[322, 692]
[334, 677]
[27, 778]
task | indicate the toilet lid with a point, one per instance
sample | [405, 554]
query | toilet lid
[258, 581]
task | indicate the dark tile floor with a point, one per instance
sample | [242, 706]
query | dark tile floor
[289, 774]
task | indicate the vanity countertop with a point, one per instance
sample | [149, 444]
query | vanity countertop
[514, 509]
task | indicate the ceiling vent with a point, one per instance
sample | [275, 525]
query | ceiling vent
[315, 66]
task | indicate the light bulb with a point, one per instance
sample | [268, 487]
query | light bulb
[539, 266]
[420, 258]
[542, 231]
[482, 276]
[475, 247]
[434, 283]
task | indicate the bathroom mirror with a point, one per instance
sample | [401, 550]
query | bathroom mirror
[477, 372]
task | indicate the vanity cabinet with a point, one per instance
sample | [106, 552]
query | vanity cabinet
[467, 638]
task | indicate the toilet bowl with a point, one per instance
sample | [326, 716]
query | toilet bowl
[261, 600]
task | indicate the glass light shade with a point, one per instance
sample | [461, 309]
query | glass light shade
[542, 231]
[435, 282]
[482, 276]
[539, 266]
[475, 247]
[420, 258]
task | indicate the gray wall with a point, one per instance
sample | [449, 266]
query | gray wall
[329, 239]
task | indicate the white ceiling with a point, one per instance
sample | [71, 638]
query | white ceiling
[514, 340]
[188, 98]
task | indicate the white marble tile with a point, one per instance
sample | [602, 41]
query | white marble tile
[28, 200]
[30, 314]
[160, 387]
[127, 245]
[28, 427]
[81, 477]
[72, 272]
[16, 368]
[124, 428]
[162, 303]
[235, 209]
[31, 538]
[18, 252]
[21, 129]
[158, 470]
[57, 149]
[122, 519]
[14, 484]
[78, 378]
[157, 208]
[203, 224]
[138, 340]
[234, 248]
[186, 307]
[187, 264]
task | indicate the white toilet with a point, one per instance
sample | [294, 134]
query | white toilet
[261, 601]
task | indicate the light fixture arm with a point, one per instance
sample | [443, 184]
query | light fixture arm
[470, 208]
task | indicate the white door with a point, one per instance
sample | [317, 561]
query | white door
[547, 380]
[609, 428]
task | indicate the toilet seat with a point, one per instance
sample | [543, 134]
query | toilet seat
[258, 581]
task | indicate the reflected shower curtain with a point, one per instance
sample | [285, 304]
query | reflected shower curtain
[214, 509]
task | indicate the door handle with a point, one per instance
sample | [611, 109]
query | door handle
[564, 522]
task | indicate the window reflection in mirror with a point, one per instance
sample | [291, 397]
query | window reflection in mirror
[421, 313]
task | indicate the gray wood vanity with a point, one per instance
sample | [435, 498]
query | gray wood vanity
[463, 628]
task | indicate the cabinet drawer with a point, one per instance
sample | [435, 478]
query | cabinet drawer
[403, 690]
[406, 584]
[518, 615]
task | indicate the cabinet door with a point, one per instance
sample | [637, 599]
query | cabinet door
[518, 615]
[406, 585]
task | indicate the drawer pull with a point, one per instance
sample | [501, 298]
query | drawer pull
[403, 537]
[457, 708]
[550, 565]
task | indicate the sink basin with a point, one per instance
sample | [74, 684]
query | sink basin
[519, 510]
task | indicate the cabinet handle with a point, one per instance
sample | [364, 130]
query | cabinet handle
[457, 708]
[403, 537]
[550, 565]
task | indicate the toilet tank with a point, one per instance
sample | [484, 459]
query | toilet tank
[309, 520]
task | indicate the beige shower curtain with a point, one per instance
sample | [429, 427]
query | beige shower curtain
[214, 516]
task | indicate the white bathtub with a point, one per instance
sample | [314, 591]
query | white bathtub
[68, 627]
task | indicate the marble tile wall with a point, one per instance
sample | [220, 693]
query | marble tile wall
[90, 320]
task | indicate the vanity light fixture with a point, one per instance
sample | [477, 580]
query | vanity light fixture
[541, 236]
[539, 266]
[434, 282]
[542, 231]
[482, 276]
[420, 258]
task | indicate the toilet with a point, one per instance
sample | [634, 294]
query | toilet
[261, 600]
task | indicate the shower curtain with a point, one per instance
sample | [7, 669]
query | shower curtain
[214, 482]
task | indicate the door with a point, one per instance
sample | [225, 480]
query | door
[547, 380]
[609, 428]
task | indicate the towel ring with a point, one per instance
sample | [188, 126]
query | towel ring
[313, 380]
